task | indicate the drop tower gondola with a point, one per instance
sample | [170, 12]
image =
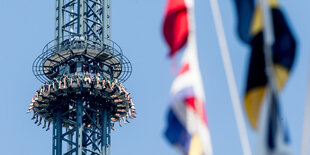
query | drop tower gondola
[82, 71]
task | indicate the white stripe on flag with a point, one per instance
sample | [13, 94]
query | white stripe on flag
[193, 124]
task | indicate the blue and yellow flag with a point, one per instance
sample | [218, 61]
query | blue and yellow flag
[283, 57]
[244, 10]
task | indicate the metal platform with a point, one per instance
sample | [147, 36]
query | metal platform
[108, 54]
[95, 97]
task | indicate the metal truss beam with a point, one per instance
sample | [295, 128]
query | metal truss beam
[91, 137]
[91, 18]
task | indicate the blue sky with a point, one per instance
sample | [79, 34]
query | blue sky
[26, 26]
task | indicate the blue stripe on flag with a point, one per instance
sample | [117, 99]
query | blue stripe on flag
[176, 132]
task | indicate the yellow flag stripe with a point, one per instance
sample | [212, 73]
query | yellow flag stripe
[195, 146]
[254, 97]
[257, 20]
[252, 103]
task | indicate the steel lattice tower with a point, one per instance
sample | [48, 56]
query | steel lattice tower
[81, 113]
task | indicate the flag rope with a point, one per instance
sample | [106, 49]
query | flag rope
[230, 77]
[268, 34]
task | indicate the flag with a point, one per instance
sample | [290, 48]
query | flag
[274, 136]
[176, 25]
[283, 52]
[244, 10]
[187, 124]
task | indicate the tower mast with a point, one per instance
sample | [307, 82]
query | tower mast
[82, 70]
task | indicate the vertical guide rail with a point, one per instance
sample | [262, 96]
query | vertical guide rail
[105, 132]
[56, 22]
[70, 144]
[230, 78]
[109, 19]
[109, 132]
[79, 126]
[58, 133]
[84, 17]
[95, 8]
[54, 135]
[71, 19]
[84, 142]
[80, 11]
[70, 136]
[60, 22]
[93, 132]
[105, 20]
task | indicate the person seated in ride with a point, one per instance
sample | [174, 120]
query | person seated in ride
[71, 79]
[63, 79]
[112, 126]
[42, 90]
[87, 77]
[118, 100]
[125, 122]
[121, 88]
[99, 79]
[76, 78]
[37, 118]
[31, 106]
[108, 80]
[127, 95]
[117, 116]
[114, 83]
[48, 84]
[127, 117]
[132, 108]
[114, 119]
[40, 121]
[103, 81]
[92, 79]
[120, 123]
[48, 125]
[45, 87]
[55, 83]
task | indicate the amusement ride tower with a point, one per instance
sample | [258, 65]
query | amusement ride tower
[82, 71]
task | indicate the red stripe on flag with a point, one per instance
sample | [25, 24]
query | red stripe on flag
[176, 27]
[197, 106]
[184, 69]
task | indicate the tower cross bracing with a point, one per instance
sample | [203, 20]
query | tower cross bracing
[91, 18]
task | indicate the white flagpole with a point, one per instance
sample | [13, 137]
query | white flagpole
[269, 39]
[306, 127]
[268, 34]
[230, 77]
